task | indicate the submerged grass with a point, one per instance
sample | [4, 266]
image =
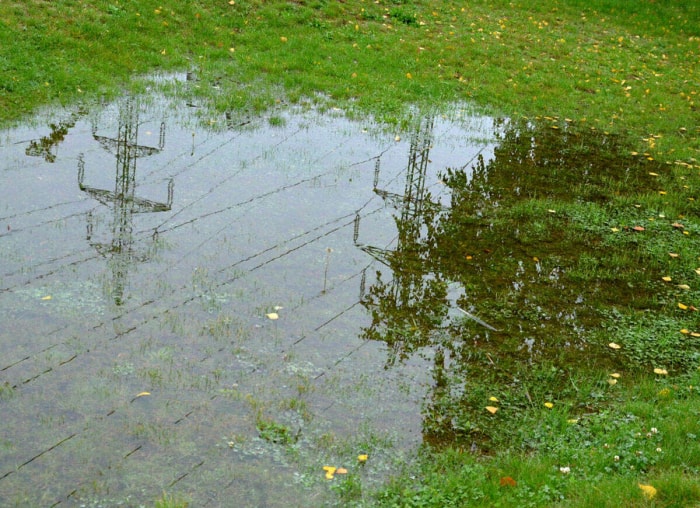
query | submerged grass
[618, 80]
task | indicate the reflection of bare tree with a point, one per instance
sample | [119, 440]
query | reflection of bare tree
[121, 250]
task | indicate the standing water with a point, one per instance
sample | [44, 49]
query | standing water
[194, 306]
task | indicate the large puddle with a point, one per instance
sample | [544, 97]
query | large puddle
[220, 311]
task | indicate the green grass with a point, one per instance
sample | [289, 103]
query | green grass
[613, 83]
[559, 457]
[617, 66]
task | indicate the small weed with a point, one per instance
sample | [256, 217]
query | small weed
[274, 432]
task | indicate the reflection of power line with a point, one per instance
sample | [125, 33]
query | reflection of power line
[410, 204]
[408, 308]
[123, 199]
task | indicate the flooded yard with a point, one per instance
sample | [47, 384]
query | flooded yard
[190, 306]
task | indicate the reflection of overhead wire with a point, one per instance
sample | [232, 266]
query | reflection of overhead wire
[339, 223]
[218, 184]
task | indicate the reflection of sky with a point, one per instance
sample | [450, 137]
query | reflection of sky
[261, 217]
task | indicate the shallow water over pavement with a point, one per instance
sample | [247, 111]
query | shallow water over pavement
[184, 307]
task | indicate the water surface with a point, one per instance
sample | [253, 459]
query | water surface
[191, 308]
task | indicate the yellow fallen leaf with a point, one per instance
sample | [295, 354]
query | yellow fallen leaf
[666, 279]
[673, 254]
[613, 345]
[682, 306]
[283, 39]
[572, 420]
[612, 381]
[614, 230]
[142, 394]
[362, 457]
[493, 399]
[694, 334]
[615, 375]
[272, 315]
[659, 371]
[409, 76]
[492, 409]
[649, 491]
[47, 297]
[548, 405]
[330, 471]
[341, 470]
[685, 331]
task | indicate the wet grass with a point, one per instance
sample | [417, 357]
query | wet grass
[590, 347]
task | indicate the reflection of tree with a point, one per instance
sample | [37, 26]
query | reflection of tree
[120, 250]
[477, 247]
[47, 146]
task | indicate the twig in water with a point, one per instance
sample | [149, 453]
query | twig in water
[482, 323]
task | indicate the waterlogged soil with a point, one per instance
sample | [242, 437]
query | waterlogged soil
[220, 306]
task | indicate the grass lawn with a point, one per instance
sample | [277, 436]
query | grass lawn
[616, 433]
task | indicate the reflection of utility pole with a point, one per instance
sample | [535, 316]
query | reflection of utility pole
[412, 304]
[411, 206]
[123, 200]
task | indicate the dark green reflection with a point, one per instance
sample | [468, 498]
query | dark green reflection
[502, 289]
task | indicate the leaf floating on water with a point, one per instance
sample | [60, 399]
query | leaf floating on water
[648, 490]
[272, 315]
[492, 409]
[661, 372]
[613, 345]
